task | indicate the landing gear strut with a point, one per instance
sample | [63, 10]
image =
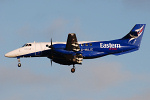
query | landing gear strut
[19, 64]
[73, 69]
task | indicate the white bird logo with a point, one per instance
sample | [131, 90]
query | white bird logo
[139, 32]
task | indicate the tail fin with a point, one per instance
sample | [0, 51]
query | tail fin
[134, 37]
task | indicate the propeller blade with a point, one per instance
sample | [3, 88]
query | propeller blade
[51, 46]
[51, 51]
[51, 42]
[51, 62]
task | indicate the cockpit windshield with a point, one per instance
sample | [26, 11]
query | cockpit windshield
[25, 45]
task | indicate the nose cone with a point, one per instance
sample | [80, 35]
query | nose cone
[11, 54]
[7, 55]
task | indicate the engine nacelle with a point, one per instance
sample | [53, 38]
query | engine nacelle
[66, 57]
[76, 59]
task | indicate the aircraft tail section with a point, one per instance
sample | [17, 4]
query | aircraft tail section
[134, 37]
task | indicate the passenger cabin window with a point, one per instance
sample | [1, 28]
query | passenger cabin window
[82, 44]
[86, 44]
[90, 44]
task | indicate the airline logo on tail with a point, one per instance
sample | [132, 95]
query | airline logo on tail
[138, 33]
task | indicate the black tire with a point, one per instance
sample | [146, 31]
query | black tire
[73, 70]
[19, 64]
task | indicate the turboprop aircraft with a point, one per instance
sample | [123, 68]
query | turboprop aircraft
[73, 52]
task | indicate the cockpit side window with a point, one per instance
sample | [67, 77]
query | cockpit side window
[25, 45]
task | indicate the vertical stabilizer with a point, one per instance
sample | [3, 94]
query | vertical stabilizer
[134, 37]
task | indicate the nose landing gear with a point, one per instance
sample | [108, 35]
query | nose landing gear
[73, 69]
[19, 64]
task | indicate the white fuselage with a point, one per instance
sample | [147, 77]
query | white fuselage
[30, 48]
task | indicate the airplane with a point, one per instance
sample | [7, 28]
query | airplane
[73, 52]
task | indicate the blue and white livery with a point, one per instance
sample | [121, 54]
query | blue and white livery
[73, 52]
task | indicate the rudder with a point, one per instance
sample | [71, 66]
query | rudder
[134, 37]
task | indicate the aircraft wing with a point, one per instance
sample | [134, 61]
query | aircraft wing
[72, 43]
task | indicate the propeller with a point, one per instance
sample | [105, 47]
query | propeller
[51, 46]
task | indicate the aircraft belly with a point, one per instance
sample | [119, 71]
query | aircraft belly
[93, 54]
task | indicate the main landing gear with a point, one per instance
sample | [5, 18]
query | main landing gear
[19, 64]
[73, 69]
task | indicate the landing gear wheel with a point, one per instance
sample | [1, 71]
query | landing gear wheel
[73, 70]
[19, 64]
